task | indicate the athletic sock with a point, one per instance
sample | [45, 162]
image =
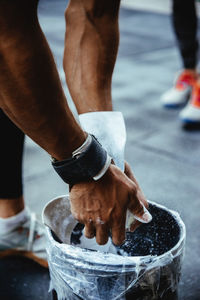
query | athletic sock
[9, 224]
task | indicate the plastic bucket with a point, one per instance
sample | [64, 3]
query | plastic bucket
[78, 273]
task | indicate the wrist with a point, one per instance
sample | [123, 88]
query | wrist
[65, 148]
[89, 161]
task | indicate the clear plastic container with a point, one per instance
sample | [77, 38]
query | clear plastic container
[78, 273]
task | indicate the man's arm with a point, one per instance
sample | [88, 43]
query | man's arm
[30, 89]
[32, 97]
[91, 45]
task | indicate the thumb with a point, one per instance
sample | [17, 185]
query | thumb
[144, 216]
[138, 209]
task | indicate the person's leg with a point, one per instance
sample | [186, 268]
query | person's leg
[16, 223]
[11, 150]
[185, 27]
[184, 21]
[32, 97]
[91, 45]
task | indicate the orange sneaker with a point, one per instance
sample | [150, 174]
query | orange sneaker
[191, 113]
[179, 94]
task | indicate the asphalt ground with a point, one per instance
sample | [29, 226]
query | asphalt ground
[164, 157]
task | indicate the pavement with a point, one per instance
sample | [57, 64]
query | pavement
[150, 5]
[164, 157]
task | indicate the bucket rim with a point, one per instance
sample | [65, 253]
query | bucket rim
[128, 260]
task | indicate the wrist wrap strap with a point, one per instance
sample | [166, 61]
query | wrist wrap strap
[84, 166]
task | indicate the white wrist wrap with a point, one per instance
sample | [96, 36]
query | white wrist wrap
[109, 128]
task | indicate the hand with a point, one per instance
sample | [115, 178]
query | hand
[101, 205]
[140, 195]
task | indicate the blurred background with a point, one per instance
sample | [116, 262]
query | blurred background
[164, 157]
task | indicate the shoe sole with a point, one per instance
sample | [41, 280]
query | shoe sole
[171, 106]
[28, 254]
[189, 121]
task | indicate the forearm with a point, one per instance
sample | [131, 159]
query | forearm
[91, 44]
[31, 92]
[56, 130]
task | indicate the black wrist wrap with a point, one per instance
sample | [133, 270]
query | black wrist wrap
[84, 167]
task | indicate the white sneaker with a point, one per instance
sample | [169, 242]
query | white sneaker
[175, 98]
[28, 240]
[191, 113]
[179, 94]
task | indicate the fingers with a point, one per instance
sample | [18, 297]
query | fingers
[98, 229]
[138, 209]
[129, 173]
[131, 176]
[101, 234]
[89, 230]
[135, 225]
[118, 231]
